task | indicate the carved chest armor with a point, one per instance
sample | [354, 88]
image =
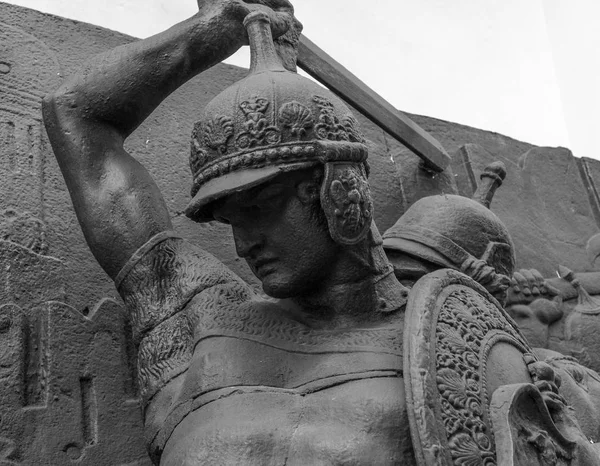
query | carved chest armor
[263, 389]
[229, 379]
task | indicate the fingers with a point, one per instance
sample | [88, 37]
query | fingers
[280, 24]
[533, 281]
[541, 371]
[275, 5]
[518, 282]
[553, 401]
[547, 382]
[283, 14]
[280, 21]
[538, 277]
[529, 283]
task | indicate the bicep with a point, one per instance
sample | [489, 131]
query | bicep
[120, 212]
[118, 204]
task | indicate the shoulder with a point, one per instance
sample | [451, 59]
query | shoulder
[165, 274]
[167, 254]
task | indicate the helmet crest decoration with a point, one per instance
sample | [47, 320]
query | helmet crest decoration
[275, 121]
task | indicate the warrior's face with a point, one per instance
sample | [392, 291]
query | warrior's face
[282, 234]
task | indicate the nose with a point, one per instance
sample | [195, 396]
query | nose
[247, 241]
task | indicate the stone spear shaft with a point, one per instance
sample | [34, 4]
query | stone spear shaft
[322, 67]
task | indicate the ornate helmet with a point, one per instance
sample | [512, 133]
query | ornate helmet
[275, 121]
[458, 232]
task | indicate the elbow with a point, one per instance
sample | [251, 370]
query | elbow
[60, 121]
[56, 103]
[50, 99]
[59, 111]
[53, 116]
[49, 108]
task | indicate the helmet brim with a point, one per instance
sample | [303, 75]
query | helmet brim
[200, 209]
[417, 250]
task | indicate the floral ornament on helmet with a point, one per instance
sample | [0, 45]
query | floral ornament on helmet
[274, 121]
[346, 201]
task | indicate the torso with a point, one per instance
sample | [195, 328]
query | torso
[264, 389]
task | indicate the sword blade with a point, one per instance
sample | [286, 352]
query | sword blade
[322, 67]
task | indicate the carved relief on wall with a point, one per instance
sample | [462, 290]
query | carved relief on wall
[561, 313]
[28, 69]
[7, 450]
[23, 229]
[68, 392]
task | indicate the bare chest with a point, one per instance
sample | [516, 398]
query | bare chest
[262, 389]
[360, 421]
[282, 393]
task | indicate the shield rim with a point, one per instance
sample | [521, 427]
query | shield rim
[429, 439]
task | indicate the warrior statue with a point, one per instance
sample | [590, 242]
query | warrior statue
[317, 372]
[438, 232]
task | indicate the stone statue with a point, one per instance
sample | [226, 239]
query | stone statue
[535, 305]
[225, 375]
[437, 232]
[451, 231]
[313, 373]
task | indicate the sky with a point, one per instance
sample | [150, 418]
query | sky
[527, 69]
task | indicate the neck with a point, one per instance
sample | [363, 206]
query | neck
[361, 290]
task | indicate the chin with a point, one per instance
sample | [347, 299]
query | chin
[275, 291]
[278, 287]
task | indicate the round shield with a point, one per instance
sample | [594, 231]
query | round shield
[459, 347]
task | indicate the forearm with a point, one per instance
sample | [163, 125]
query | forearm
[118, 204]
[123, 86]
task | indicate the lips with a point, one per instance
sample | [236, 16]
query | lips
[263, 267]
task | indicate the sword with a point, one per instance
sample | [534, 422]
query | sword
[330, 73]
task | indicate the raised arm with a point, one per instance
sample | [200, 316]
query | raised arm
[89, 117]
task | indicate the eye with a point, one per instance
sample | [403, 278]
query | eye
[270, 192]
[253, 210]
[270, 198]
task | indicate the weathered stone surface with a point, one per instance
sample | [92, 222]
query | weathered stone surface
[79, 405]
[29, 279]
[555, 218]
[554, 314]
[397, 181]
[436, 325]
[68, 390]
[545, 205]
[590, 174]
[49, 406]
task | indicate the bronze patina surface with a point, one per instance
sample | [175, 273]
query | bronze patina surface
[312, 369]
[226, 375]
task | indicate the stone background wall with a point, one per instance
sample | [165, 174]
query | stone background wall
[66, 363]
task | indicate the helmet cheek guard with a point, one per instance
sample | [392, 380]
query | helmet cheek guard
[346, 201]
[275, 121]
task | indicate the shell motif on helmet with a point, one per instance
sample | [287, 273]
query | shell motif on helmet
[271, 121]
